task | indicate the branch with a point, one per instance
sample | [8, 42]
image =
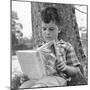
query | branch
[80, 10]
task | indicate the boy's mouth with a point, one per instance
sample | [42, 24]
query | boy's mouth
[48, 37]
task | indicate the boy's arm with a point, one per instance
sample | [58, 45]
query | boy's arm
[68, 70]
[71, 67]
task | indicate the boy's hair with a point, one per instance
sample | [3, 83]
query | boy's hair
[50, 14]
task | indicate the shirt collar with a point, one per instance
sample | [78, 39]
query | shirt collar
[60, 42]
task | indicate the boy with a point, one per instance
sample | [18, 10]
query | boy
[66, 63]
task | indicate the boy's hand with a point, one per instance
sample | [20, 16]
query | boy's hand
[61, 66]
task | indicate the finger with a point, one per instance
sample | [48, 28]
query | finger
[57, 63]
[60, 64]
[62, 68]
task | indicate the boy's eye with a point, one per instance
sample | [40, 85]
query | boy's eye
[51, 29]
[44, 28]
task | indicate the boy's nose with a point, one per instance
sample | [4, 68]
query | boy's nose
[47, 32]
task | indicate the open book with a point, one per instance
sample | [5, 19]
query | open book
[32, 62]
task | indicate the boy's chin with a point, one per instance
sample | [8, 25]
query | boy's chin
[49, 40]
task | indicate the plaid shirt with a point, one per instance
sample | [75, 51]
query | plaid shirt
[65, 53]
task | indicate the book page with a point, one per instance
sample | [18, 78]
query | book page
[31, 64]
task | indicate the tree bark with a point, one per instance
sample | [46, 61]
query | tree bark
[68, 26]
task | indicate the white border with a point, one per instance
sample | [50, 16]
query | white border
[5, 42]
[63, 1]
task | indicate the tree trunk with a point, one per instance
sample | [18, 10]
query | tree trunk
[69, 27]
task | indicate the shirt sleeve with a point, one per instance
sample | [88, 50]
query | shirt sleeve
[71, 58]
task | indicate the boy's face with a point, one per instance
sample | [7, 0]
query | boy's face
[49, 31]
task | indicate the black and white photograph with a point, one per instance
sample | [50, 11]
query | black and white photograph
[49, 44]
